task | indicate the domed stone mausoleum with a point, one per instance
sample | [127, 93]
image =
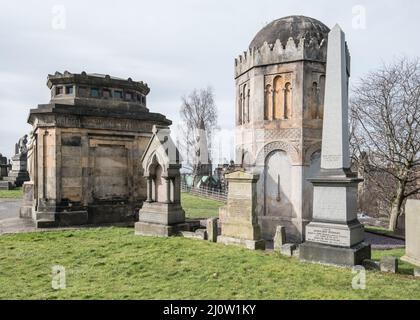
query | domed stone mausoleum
[280, 84]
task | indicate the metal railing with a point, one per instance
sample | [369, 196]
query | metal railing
[220, 195]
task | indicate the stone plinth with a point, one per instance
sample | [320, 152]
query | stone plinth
[412, 232]
[239, 222]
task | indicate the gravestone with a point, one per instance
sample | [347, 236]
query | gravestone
[19, 173]
[412, 233]
[239, 222]
[389, 265]
[162, 213]
[279, 238]
[4, 168]
[211, 225]
[335, 236]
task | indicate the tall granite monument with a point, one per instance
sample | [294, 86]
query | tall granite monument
[335, 236]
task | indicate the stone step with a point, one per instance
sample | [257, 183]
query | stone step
[44, 223]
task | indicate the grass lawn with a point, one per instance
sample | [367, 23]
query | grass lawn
[381, 231]
[11, 194]
[113, 263]
[196, 207]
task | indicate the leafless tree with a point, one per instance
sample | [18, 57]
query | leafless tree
[386, 132]
[198, 112]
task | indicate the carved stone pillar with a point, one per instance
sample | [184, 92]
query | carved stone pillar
[168, 190]
[149, 189]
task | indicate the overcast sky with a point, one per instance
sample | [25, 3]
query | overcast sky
[174, 46]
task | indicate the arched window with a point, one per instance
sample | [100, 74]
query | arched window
[247, 105]
[240, 110]
[277, 98]
[268, 103]
[287, 101]
[314, 103]
[244, 106]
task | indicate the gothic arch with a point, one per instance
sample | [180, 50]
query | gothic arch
[310, 150]
[290, 150]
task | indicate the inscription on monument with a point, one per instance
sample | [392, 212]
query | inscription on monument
[326, 235]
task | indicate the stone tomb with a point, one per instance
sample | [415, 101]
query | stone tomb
[412, 232]
[84, 154]
[239, 220]
[162, 213]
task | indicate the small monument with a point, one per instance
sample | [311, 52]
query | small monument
[335, 236]
[239, 219]
[19, 173]
[412, 234]
[4, 168]
[162, 213]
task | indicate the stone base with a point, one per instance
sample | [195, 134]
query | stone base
[411, 260]
[5, 185]
[17, 178]
[325, 254]
[61, 219]
[249, 244]
[158, 230]
[25, 212]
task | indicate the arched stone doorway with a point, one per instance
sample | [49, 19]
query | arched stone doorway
[277, 185]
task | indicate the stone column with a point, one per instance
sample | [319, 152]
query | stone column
[149, 189]
[168, 189]
[335, 236]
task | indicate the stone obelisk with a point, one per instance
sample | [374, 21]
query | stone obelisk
[335, 236]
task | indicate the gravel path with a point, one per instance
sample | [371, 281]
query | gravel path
[382, 242]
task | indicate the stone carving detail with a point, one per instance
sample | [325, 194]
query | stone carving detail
[291, 150]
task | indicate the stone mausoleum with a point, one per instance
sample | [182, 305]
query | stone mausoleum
[85, 151]
[280, 84]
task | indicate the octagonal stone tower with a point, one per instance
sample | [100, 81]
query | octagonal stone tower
[85, 151]
[280, 84]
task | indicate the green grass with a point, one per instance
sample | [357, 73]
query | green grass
[11, 194]
[196, 207]
[113, 263]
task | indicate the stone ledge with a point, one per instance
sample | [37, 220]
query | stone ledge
[329, 255]
[248, 244]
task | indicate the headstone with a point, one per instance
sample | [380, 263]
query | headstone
[389, 264]
[4, 168]
[199, 234]
[335, 236]
[288, 249]
[279, 238]
[239, 222]
[412, 234]
[162, 213]
[417, 272]
[26, 210]
[212, 231]
[19, 173]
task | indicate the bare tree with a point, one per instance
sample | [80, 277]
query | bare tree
[199, 116]
[386, 132]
